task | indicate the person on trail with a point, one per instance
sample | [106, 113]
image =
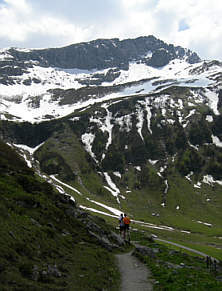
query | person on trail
[126, 221]
[121, 225]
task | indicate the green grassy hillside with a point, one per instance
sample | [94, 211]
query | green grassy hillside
[45, 243]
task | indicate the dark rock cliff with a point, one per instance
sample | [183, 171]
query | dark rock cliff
[106, 53]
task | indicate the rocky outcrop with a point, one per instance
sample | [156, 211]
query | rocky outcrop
[107, 53]
[145, 251]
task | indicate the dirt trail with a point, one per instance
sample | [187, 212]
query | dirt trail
[186, 248]
[135, 275]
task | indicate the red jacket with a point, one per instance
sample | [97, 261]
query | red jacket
[126, 220]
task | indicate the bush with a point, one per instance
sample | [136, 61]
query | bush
[190, 160]
[26, 269]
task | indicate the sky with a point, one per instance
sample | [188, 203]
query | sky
[193, 24]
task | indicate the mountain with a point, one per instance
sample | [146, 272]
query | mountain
[123, 126]
[33, 79]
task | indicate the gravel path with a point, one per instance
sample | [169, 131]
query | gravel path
[135, 275]
[186, 248]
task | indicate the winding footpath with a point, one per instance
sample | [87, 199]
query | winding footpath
[184, 247]
[135, 275]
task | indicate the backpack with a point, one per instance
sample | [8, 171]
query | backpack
[121, 222]
[126, 220]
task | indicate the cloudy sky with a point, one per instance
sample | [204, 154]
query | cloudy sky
[195, 24]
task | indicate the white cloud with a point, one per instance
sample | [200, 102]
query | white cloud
[19, 22]
[193, 24]
[203, 20]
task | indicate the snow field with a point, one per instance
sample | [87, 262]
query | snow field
[52, 78]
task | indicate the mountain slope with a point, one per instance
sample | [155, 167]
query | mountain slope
[141, 138]
[46, 243]
[42, 84]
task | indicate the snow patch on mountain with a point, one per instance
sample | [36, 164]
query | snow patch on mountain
[213, 99]
[209, 118]
[147, 105]
[124, 122]
[197, 185]
[140, 119]
[117, 174]
[141, 71]
[104, 124]
[107, 125]
[205, 223]
[153, 162]
[188, 177]
[27, 148]
[208, 179]
[53, 177]
[111, 209]
[216, 141]
[112, 186]
[87, 140]
[167, 187]
[96, 211]
[33, 101]
[192, 112]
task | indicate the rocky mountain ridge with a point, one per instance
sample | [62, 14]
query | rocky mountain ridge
[111, 54]
[107, 53]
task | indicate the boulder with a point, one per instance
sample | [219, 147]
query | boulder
[117, 238]
[53, 271]
[103, 241]
[145, 251]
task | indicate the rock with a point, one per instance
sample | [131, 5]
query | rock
[104, 241]
[159, 58]
[100, 54]
[65, 232]
[70, 212]
[81, 214]
[2, 268]
[117, 238]
[44, 276]
[53, 271]
[219, 278]
[150, 238]
[27, 82]
[12, 234]
[172, 252]
[35, 222]
[144, 251]
[51, 225]
[173, 266]
[92, 226]
[35, 273]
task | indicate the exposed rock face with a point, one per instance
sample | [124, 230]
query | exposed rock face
[160, 58]
[107, 53]
[145, 251]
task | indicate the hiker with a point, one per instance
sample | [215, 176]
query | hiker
[121, 225]
[126, 221]
[208, 262]
[215, 265]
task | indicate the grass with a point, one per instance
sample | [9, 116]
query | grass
[179, 249]
[199, 238]
[177, 270]
[39, 233]
[141, 203]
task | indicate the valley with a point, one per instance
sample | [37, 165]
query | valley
[134, 127]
